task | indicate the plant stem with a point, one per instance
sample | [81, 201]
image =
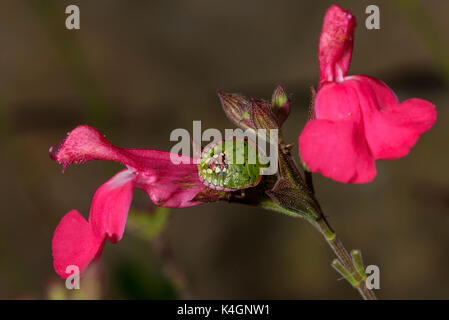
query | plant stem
[351, 268]
[344, 257]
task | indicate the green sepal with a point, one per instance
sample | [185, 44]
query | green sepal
[290, 197]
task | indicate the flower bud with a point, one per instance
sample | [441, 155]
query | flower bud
[236, 108]
[262, 115]
[280, 104]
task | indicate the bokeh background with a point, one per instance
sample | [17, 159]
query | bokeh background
[136, 70]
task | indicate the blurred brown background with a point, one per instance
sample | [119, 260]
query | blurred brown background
[136, 70]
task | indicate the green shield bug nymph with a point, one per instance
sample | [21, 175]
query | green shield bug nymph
[230, 165]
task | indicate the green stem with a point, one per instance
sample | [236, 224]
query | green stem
[350, 266]
[356, 279]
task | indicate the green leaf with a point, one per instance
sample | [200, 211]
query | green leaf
[147, 225]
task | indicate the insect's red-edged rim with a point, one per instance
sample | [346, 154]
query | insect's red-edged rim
[220, 188]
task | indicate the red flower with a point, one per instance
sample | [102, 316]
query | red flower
[77, 241]
[357, 119]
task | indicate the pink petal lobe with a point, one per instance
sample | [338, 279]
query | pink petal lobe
[336, 42]
[111, 204]
[384, 96]
[85, 143]
[337, 150]
[337, 102]
[74, 244]
[392, 128]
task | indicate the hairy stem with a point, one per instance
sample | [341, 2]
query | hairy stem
[344, 257]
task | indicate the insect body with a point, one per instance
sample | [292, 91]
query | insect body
[229, 166]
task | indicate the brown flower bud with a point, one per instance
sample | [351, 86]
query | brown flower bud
[280, 104]
[262, 115]
[236, 108]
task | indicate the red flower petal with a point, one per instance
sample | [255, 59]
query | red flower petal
[391, 129]
[74, 243]
[337, 150]
[337, 102]
[110, 206]
[335, 48]
[334, 144]
[167, 184]
[84, 143]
